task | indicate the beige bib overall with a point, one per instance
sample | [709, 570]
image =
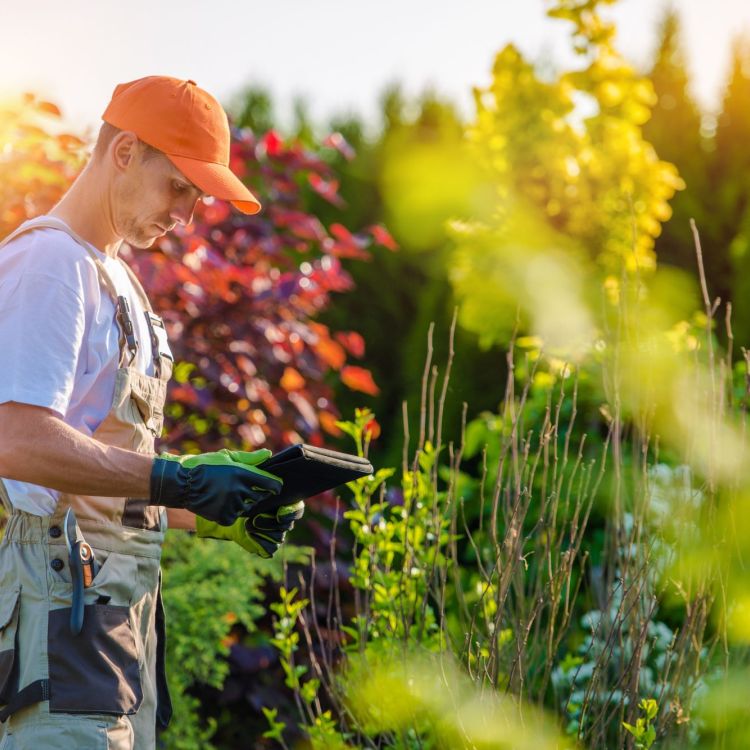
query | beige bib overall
[105, 687]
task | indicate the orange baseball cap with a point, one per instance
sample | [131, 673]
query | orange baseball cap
[189, 126]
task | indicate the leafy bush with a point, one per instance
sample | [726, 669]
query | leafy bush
[213, 593]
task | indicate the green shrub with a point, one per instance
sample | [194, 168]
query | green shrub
[211, 589]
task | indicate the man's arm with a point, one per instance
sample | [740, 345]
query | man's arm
[36, 446]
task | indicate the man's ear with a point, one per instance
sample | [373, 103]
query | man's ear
[123, 150]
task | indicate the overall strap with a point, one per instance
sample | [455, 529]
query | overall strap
[127, 339]
[162, 364]
[139, 290]
[50, 222]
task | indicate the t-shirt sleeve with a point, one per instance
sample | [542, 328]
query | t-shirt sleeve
[42, 323]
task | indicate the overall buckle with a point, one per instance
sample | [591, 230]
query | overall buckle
[126, 321]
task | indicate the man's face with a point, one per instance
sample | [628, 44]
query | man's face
[152, 196]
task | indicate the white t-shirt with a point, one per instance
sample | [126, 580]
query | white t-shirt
[59, 340]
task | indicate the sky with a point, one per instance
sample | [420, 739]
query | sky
[337, 54]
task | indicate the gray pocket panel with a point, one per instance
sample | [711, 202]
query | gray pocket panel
[96, 671]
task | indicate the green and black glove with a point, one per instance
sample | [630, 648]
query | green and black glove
[219, 486]
[262, 533]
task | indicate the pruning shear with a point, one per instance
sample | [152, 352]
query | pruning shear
[82, 568]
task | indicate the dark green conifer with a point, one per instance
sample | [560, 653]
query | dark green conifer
[728, 196]
[675, 131]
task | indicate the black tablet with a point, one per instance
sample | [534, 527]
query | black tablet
[308, 470]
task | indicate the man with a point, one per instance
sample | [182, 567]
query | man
[85, 366]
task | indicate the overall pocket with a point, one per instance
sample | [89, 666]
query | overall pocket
[150, 413]
[115, 579]
[96, 671]
[9, 605]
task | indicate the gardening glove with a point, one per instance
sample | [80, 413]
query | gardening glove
[219, 486]
[260, 534]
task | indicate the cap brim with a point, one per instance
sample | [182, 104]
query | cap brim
[218, 181]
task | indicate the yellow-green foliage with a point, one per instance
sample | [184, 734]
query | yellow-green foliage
[568, 154]
[425, 701]
[644, 732]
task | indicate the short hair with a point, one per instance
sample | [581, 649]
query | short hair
[106, 135]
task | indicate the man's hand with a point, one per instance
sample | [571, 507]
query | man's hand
[219, 486]
[260, 534]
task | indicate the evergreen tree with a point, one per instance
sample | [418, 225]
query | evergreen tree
[732, 157]
[302, 124]
[675, 132]
[253, 109]
[729, 194]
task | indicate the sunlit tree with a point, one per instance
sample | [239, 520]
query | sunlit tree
[572, 173]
